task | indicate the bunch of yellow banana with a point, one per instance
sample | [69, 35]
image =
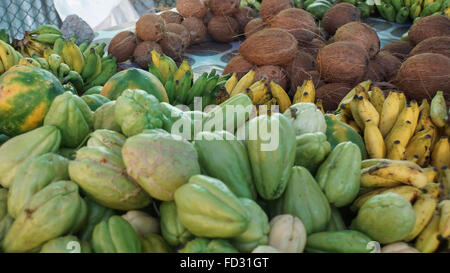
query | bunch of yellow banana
[8, 57]
[37, 41]
[261, 92]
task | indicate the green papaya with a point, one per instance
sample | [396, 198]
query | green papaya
[73, 118]
[312, 149]
[115, 235]
[336, 222]
[94, 101]
[18, 149]
[224, 157]
[104, 117]
[304, 199]
[95, 214]
[203, 245]
[346, 241]
[207, 208]
[171, 228]
[5, 220]
[108, 139]
[101, 174]
[136, 110]
[66, 244]
[50, 213]
[258, 228]
[339, 175]
[160, 163]
[271, 153]
[33, 175]
[154, 243]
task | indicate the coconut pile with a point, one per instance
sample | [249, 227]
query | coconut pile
[173, 32]
[286, 45]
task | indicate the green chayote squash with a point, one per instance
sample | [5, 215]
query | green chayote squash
[339, 174]
[136, 110]
[203, 245]
[304, 199]
[271, 153]
[95, 214]
[184, 124]
[107, 138]
[306, 118]
[80, 219]
[5, 220]
[171, 228]
[33, 175]
[50, 213]
[207, 208]
[94, 101]
[104, 117]
[312, 149]
[154, 243]
[336, 222]
[73, 118]
[67, 153]
[386, 218]
[93, 90]
[66, 244]
[287, 234]
[18, 149]
[142, 222]
[224, 157]
[115, 235]
[160, 163]
[101, 174]
[346, 241]
[258, 228]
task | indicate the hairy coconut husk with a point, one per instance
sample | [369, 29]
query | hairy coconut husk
[272, 73]
[254, 26]
[143, 53]
[171, 17]
[300, 68]
[172, 45]
[238, 65]
[182, 31]
[298, 22]
[269, 46]
[188, 8]
[429, 26]
[338, 16]
[122, 46]
[313, 47]
[223, 28]
[383, 67]
[360, 33]
[421, 76]
[244, 15]
[150, 27]
[439, 45]
[197, 30]
[332, 93]
[221, 7]
[399, 49]
[343, 62]
[270, 8]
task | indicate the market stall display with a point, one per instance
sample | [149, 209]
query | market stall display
[333, 142]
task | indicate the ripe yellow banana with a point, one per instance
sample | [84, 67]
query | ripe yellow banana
[396, 151]
[260, 93]
[392, 108]
[444, 180]
[156, 57]
[424, 208]
[353, 124]
[376, 97]
[305, 93]
[29, 62]
[179, 74]
[280, 95]
[319, 104]
[231, 83]
[244, 83]
[400, 171]
[7, 55]
[431, 173]
[440, 156]
[77, 57]
[433, 189]
[355, 114]
[419, 150]
[444, 224]
[254, 87]
[366, 85]
[428, 240]
[408, 192]
[2, 68]
[416, 114]
[298, 94]
[402, 129]
[374, 140]
[367, 111]
[424, 116]
[438, 110]
[372, 162]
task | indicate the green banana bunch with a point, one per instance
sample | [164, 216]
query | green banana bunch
[108, 69]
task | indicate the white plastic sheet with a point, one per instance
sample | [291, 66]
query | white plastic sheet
[99, 14]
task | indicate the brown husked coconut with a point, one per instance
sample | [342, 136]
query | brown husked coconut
[188, 8]
[182, 31]
[269, 46]
[383, 67]
[223, 28]
[172, 17]
[399, 49]
[207, 17]
[439, 45]
[313, 47]
[238, 65]
[272, 73]
[143, 53]
[224, 7]
[343, 62]
[150, 27]
[244, 15]
[429, 26]
[338, 16]
[360, 33]
[303, 75]
[122, 46]
[332, 93]
[422, 75]
[270, 8]
[298, 22]
[172, 45]
[197, 29]
[298, 69]
[254, 26]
